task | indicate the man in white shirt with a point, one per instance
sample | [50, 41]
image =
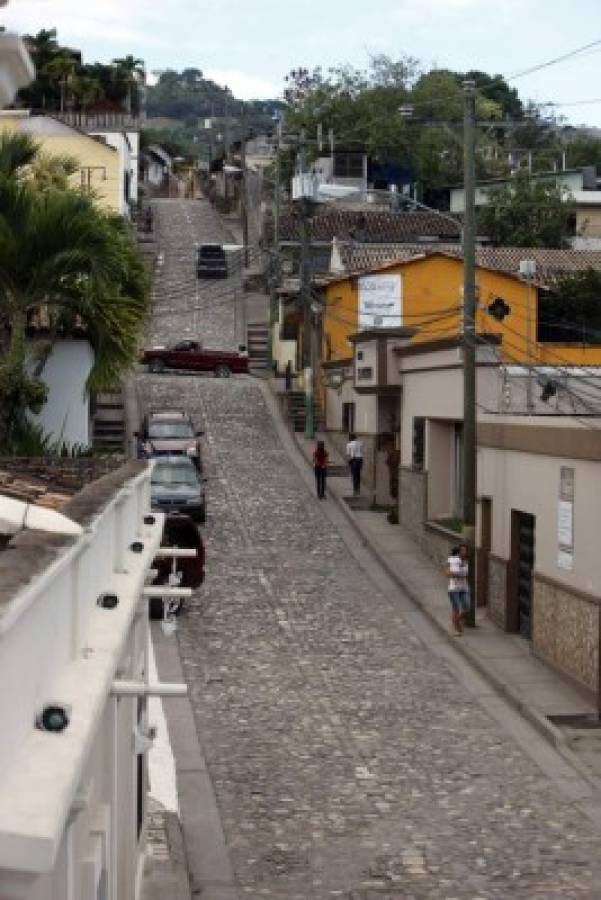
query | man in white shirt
[354, 454]
[457, 573]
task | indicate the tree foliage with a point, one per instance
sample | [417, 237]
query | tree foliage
[571, 313]
[61, 253]
[63, 81]
[400, 114]
[527, 213]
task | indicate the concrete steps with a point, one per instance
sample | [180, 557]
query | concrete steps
[257, 342]
[295, 411]
[109, 422]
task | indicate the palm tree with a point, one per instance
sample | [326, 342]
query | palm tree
[129, 70]
[59, 251]
[61, 68]
[87, 90]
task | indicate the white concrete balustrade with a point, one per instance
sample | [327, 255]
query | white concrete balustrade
[72, 803]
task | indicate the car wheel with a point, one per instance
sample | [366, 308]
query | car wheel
[222, 371]
[156, 365]
[201, 516]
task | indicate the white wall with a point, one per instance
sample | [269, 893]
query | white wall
[67, 801]
[119, 140]
[530, 483]
[134, 156]
[66, 413]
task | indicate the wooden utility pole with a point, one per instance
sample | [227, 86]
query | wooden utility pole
[305, 295]
[469, 334]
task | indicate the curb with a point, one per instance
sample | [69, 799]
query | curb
[545, 728]
[177, 852]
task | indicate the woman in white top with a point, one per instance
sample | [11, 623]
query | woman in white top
[457, 573]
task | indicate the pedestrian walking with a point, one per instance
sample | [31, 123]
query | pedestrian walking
[354, 454]
[320, 466]
[288, 376]
[457, 573]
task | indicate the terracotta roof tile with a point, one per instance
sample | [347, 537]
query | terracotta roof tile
[550, 264]
[367, 226]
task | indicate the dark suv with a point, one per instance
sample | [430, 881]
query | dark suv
[211, 261]
[169, 432]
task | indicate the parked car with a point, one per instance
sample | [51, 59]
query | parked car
[211, 261]
[177, 486]
[179, 531]
[169, 432]
[190, 355]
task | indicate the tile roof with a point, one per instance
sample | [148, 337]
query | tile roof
[550, 263]
[367, 226]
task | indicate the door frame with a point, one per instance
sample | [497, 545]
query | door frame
[483, 578]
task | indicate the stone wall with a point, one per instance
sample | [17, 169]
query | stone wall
[413, 487]
[565, 630]
[497, 590]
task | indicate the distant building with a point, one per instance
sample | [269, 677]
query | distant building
[104, 169]
[580, 185]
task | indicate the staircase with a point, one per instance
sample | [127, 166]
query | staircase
[257, 341]
[295, 411]
[109, 422]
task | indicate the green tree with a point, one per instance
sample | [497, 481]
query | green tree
[129, 70]
[571, 312]
[527, 212]
[86, 90]
[58, 251]
[583, 150]
[61, 69]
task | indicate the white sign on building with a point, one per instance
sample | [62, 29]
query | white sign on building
[380, 301]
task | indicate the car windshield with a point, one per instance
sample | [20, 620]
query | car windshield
[165, 431]
[174, 474]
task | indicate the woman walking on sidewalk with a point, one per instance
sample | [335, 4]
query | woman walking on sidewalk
[320, 466]
[457, 573]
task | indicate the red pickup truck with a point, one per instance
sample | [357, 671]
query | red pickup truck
[190, 355]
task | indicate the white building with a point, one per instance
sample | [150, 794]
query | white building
[16, 67]
[72, 802]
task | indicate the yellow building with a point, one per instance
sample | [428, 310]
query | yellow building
[426, 292]
[101, 168]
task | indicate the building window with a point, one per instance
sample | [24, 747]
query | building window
[419, 432]
[348, 165]
[365, 372]
[359, 354]
[348, 417]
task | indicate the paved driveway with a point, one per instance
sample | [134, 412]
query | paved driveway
[347, 760]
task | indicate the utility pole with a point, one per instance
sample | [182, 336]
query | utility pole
[469, 334]
[305, 295]
[244, 190]
[227, 124]
[275, 258]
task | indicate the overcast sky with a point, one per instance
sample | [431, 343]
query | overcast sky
[251, 44]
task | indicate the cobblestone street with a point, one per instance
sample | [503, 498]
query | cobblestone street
[346, 759]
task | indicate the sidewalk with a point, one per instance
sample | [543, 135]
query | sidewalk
[506, 661]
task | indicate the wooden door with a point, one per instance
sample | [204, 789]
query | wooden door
[523, 544]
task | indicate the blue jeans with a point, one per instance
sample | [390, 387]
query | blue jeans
[460, 601]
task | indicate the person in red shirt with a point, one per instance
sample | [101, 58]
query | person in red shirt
[320, 466]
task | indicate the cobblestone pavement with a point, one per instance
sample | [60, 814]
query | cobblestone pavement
[346, 760]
